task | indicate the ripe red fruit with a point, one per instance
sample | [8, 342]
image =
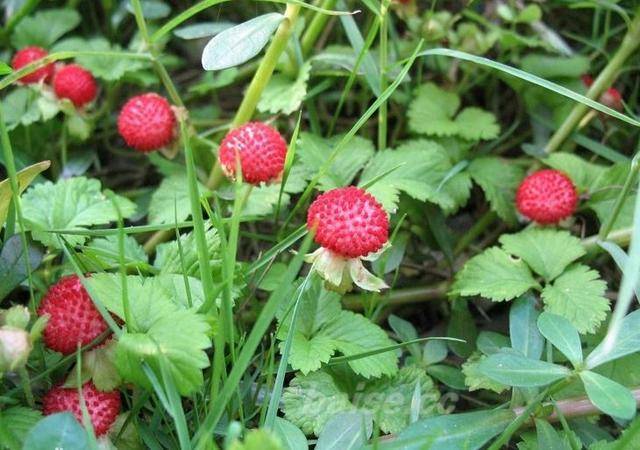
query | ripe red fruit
[73, 318]
[547, 197]
[350, 222]
[612, 98]
[147, 122]
[76, 84]
[25, 57]
[261, 149]
[103, 407]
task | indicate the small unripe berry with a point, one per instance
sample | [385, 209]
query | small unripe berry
[75, 83]
[349, 221]
[260, 148]
[546, 197]
[25, 57]
[147, 122]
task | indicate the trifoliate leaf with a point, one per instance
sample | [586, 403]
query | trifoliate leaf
[548, 252]
[284, 95]
[499, 190]
[163, 333]
[170, 202]
[422, 170]
[15, 423]
[433, 109]
[323, 328]
[582, 173]
[494, 274]
[70, 204]
[170, 260]
[475, 379]
[578, 295]
[99, 364]
[44, 27]
[311, 400]
[314, 151]
[103, 252]
[389, 399]
[110, 68]
[476, 124]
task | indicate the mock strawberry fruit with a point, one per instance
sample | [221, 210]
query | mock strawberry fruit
[260, 148]
[611, 97]
[350, 226]
[103, 407]
[73, 318]
[147, 122]
[25, 57]
[75, 83]
[546, 197]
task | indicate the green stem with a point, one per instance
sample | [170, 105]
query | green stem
[476, 230]
[399, 297]
[606, 78]
[384, 55]
[26, 386]
[617, 207]
[315, 28]
[260, 80]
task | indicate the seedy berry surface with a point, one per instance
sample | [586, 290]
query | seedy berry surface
[75, 83]
[350, 222]
[547, 197]
[262, 152]
[103, 407]
[25, 57]
[147, 122]
[73, 317]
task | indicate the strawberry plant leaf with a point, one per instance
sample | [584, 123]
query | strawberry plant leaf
[311, 400]
[628, 342]
[609, 397]
[512, 369]
[578, 296]
[476, 124]
[431, 111]
[21, 107]
[170, 202]
[70, 204]
[422, 168]
[44, 27]
[24, 178]
[499, 191]
[314, 152]
[102, 253]
[13, 264]
[389, 399]
[605, 190]
[263, 200]
[562, 335]
[15, 423]
[548, 252]
[548, 437]
[169, 260]
[494, 274]
[284, 95]
[240, 43]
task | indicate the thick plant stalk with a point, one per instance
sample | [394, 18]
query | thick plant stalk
[260, 80]
[316, 26]
[629, 45]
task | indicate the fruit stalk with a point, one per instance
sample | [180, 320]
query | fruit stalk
[630, 43]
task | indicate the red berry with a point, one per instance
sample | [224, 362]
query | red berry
[587, 80]
[76, 84]
[28, 55]
[612, 98]
[261, 149]
[103, 407]
[349, 221]
[73, 318]
[147, 122]
[547, 196]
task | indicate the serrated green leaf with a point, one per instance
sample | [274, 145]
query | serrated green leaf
[44, 27]
[311, 400]
[582, 173]
[15, 423]
[240, 43]
[548, 438]
[284, 95]
[515, 370]
[495, 275]
[168, 258]
[170, 201]
[475, 380]
[422, 168]
[562, 335]
[314, 151]
[105, 250]
[70, 204]
[476, 124]
[431, 111]
[263, 200]
[578, 296]
[548, 252]
[609, 397]
[500, 191]
[389, 399]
